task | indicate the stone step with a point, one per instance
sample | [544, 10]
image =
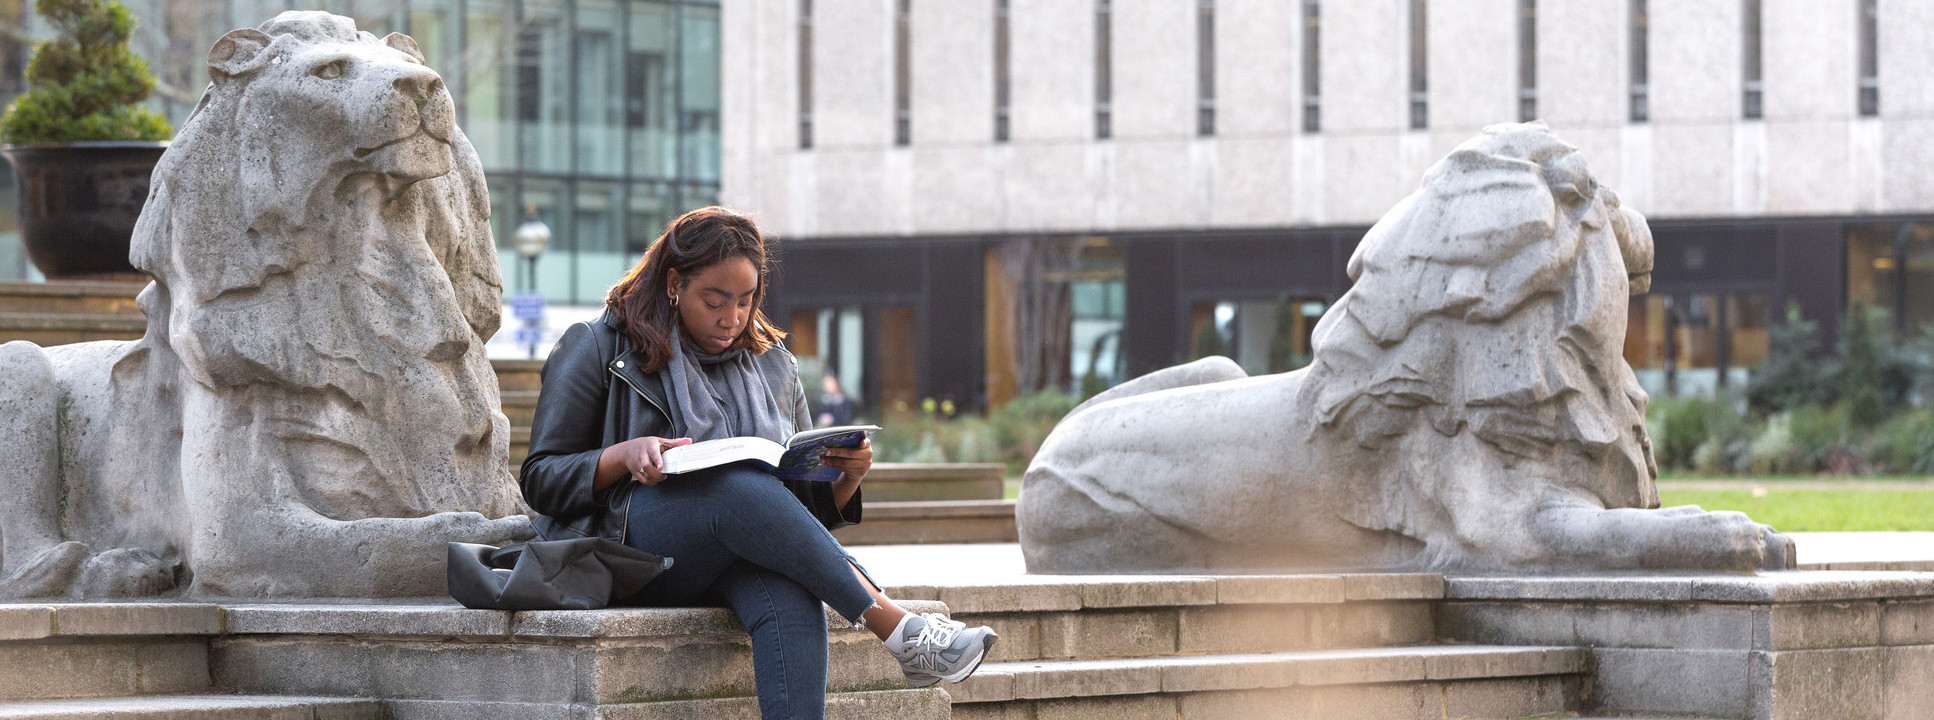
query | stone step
[519, 374]
[1054, 618]
[519, 405]
[1456, 681]
[197, 707]
[949, 521]
[44, 329]
[905, 482]
[72, 298]
[75, 651]
[428, 661]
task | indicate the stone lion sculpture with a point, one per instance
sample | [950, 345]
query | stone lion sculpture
[1468, 409]
[310, 412]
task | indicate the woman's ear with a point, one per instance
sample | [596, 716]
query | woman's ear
[673, 282]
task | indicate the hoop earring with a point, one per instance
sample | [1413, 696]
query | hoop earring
[674, 301]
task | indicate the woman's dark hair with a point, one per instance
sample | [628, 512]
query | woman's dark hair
[695, 241]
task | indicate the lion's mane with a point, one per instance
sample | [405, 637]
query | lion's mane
[1444, 327]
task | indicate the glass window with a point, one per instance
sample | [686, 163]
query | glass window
[805, 74]
[651, 208]
[486, 76]
[903, 72]
[649, 110]
[545, 200]
[699, 93]
[600, 89]
[433, 25]
[544, 87]
[601, 257]
[1870, 265]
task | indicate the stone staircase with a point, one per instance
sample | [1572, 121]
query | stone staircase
[1310, 646]
[184, 661]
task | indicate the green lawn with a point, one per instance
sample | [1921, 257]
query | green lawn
[1819, 510]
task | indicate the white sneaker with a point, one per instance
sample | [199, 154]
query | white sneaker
[934, 648]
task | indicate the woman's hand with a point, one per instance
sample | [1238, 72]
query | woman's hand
[852, 464]
[642, 459]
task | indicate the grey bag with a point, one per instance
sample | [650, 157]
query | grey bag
[575, 574]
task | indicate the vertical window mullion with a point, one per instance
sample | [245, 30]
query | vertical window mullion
[805, 74]
[1205, 67]
[1869, 58]
[1104, 70]
[1752, 97]
[902, 72]
[1002, 67]
[1419, 64]
[1641, 109]
[1312, 70]
[1527, 60]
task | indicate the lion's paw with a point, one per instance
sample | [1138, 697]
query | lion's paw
[126, 573]
[470, 527]
[49, 574]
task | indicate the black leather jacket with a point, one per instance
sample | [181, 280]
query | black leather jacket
[593, 397]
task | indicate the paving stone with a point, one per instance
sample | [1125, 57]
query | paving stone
[1604, 588]
[475, 710]
[1907, 683]
[1393, 586]
[919, 704]
[178, 666]
[668, 669]
[1145, 592]
[1108, 633]
[1020, 633]
[197, 707]
[1707, 683]
[1085, 678]
[1230, 672]
[1460, 662]
[417, 669]
[1511, 698]
[1352, 667]
[1371, 624]
[1408, 701]
[986, 685]
[1248, 704]
[1281, 589]
[1813, 586]
[391, 620]
[625, 622]
[1245, 628]
[994, 711]
[26, 622]
[52, 669]
[1816, 625]
[1035, 597]
[1150, 707]
[1843, 684]
[137, 619]
[1907, 623]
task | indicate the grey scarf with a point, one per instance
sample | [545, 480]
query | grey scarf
[720, 396]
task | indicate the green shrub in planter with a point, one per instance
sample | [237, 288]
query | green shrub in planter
[85, 84]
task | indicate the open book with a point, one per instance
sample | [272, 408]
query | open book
[798, 459]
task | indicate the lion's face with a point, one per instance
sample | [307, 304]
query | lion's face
[387, 114]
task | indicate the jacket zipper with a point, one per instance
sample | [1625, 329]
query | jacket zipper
[624, 531]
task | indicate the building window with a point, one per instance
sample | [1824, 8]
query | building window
[1869, 58]
[1001, 65]
[1641, 69]
[805, 74]
[1751, 104]
[902, 73]
[1104, 70]
[1419, 64]
[1527, 60]
[1312, 71]
[1891, 267]
[1205, 67]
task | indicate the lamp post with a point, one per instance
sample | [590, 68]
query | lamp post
[532, 237]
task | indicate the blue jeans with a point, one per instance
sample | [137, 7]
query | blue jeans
[738, 538]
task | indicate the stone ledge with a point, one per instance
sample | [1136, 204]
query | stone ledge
[1769, 587]
[1044, 593]
[197, 707]
[1003, 682]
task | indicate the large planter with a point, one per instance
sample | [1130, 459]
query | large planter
[78, 204]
